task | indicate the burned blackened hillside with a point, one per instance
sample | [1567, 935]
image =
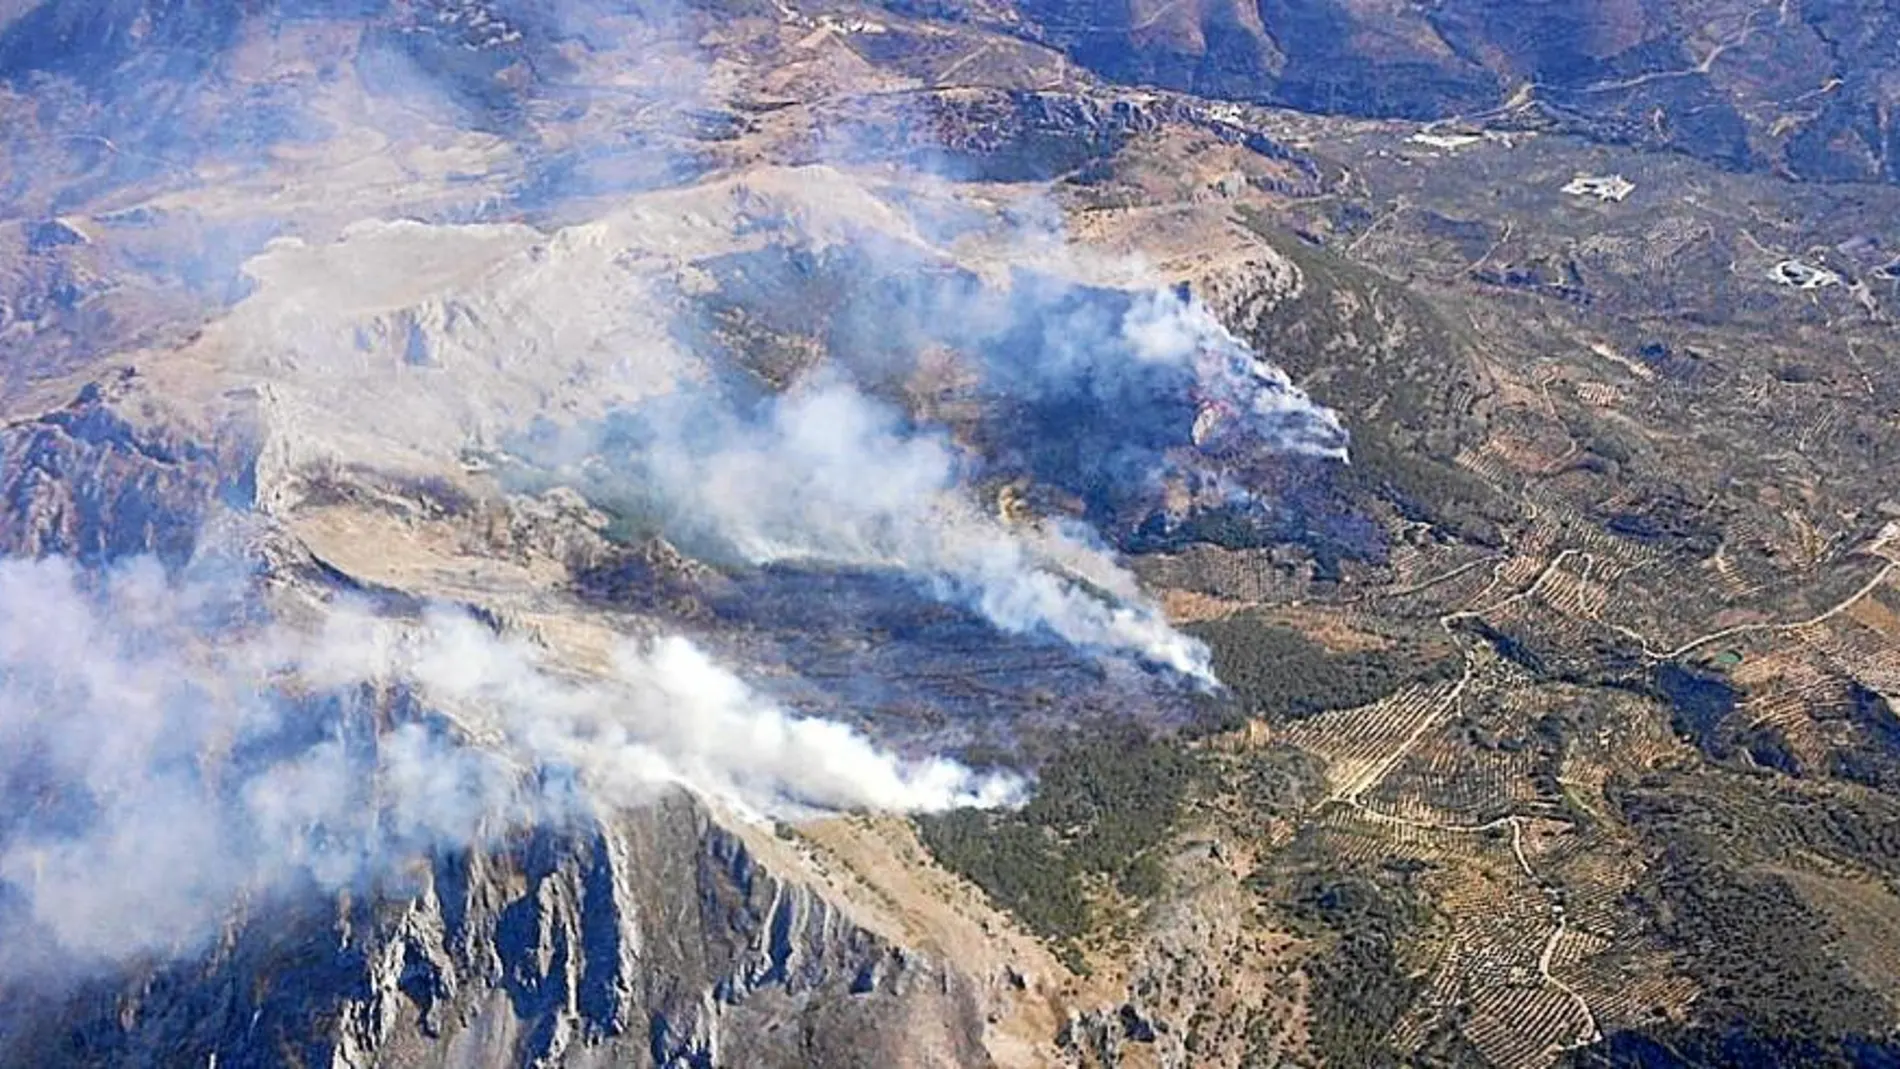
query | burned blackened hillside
[1133, 410]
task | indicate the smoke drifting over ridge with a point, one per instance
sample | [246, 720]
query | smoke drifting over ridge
[170, 780]
[824, 475]
[1108, 394]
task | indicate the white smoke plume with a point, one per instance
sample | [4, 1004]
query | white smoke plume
[163, 773]
[670, 714]
[1232, 383]
[828, 476]
[824, 474]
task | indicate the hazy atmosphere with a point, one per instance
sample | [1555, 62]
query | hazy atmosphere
[711, 533]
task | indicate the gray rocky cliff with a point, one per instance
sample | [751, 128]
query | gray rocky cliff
[96, 482]
[653, 938]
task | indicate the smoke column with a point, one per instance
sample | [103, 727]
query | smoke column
[170, 769]
[825, 475]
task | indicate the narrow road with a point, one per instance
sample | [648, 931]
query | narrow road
[1852, 599]
[1702, 66]
[1588, 1032]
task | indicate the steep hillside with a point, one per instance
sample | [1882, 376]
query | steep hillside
[1801, 89]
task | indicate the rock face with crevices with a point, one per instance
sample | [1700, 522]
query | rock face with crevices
[92, 481]
[653, 937]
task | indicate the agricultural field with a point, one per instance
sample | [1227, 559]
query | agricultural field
[1628, 630]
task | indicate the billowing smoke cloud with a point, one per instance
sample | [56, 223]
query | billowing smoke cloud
[1140, 402]
[825, 475]
[1232, 384]
[670, 714]
[158, 778]
[1116, 396]
[1107, 394]
[1148, 352]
